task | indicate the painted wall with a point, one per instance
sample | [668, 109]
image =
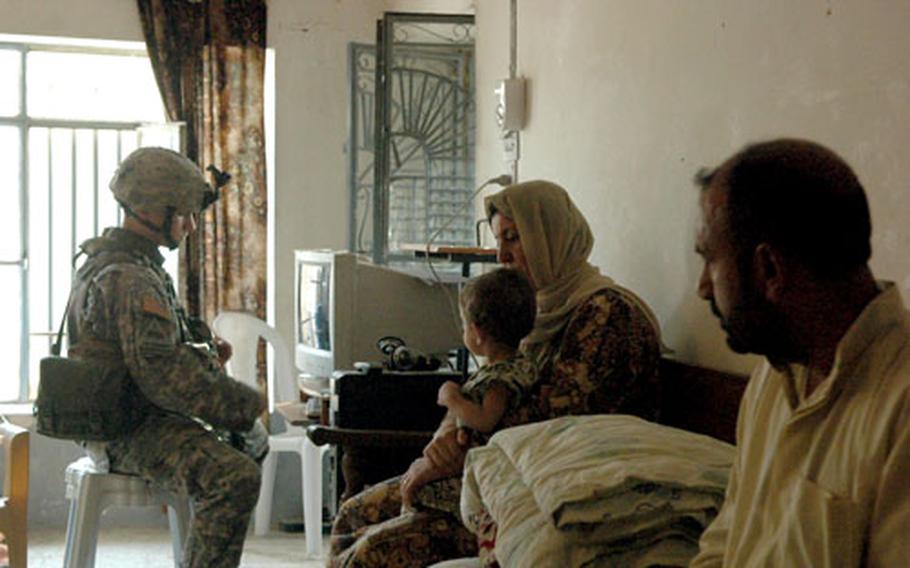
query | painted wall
[628, 99]
[95, 19]
[312, 202]
[311, 205]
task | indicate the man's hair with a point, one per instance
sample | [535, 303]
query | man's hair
[502, 304]
[799, 197]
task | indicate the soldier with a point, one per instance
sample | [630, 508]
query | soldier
[124, 310]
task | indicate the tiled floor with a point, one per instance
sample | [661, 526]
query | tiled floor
[151, 548]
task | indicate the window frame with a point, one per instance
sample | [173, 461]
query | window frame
[24, 123]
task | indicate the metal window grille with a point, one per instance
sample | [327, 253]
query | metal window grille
[412, 135]
[63, 170]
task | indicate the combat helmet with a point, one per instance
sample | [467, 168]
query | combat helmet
[161, 179]
[158, 178]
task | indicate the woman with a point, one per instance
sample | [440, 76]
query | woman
[597, 348]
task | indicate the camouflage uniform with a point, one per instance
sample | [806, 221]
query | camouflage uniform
[122, 297]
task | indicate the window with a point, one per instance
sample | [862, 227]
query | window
[411, 141]
[69, 113]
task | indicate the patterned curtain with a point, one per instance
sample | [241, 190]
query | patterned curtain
[209, 62]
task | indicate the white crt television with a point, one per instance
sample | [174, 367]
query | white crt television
[344, 304]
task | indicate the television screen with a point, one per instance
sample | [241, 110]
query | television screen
[315, 279]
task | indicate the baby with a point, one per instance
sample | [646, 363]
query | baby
[497, 312]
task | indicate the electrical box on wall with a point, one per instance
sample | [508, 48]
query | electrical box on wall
[510, 104]
[510, 149]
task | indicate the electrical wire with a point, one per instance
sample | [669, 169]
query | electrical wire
[503, 181]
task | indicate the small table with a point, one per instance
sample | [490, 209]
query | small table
[367, 456]
[466, 256]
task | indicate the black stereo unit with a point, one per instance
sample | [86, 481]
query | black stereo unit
[372, 397]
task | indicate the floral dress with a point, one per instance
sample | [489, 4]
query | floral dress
[604, 361]
[517, 374]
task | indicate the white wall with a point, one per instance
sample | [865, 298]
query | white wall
[94, 19]
[628, 98]
[311, 206]
[310, 40]
[312, 203]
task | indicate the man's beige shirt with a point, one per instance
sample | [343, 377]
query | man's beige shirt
[824, 480]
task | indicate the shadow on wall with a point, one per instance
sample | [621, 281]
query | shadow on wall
[691, 330]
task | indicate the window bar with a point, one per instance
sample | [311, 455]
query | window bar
[405, 122]
[380, 155]
[119, 159]
[95, 181]
[352, 147]
[24, 338]
[421, 97]
[73, 202]
[50, 233]
[431, 102]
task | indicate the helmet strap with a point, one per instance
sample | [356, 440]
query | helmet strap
[164, 230]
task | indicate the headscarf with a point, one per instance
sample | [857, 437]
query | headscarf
[556, 241]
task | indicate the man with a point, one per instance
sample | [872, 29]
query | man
[124, 309]
[822, 472]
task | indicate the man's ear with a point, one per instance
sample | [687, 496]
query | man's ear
[770, 272]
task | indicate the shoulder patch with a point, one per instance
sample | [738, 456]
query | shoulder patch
[153, 306]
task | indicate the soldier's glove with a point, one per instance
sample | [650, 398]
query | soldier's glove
[254, 442]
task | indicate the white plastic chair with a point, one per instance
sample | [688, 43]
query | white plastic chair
[243, 332]
[91, 490]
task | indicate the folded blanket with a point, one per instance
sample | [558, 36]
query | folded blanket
[582, 490]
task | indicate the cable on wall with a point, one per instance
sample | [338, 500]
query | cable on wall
[503, 181]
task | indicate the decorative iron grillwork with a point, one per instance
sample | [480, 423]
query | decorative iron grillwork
[426, 136]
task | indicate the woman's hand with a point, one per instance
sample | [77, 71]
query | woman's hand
[448, 394]
[447, 450]
[419, 474]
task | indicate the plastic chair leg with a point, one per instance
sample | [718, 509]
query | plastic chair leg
[82, 525]
[312, 496]
[262, 519]
[178, 516]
